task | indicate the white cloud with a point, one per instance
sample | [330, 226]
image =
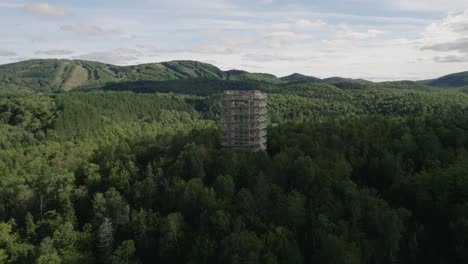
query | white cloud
[88, 29]
[44, 9]
[260, 58]
[279, 38]
[122, 56]
[308, 24]
[227, 46]
[10, 5]
[452, 58]
[281, 26]
[7, 53]
[429, 5]
[54, 52]
[193, 4]
[250, 66]
[371, 33]
[451, 28]
[459, 45]
[448, 36]
[301, 24]
[233, 32]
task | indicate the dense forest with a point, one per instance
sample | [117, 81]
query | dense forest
[133, 172]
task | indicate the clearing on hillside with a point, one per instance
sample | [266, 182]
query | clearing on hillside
[77, 78]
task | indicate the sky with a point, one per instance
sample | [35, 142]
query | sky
[372, 39]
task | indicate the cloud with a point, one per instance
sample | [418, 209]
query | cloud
[44, 9]
[251, 66]
[211, 30]
[88, 29]
[215, 31]
[227, 46]
[35, 40]
[10, 5]
[371, 33]
[301, 24]
[281, 26]
[452, 27]
[7, 53]
[308, 24]
[448, 36]
[279, 38]
[191, 4]
[56, 52]
[272, 58]
[451, 59]
[460, 45]
[429, 5]
[120, 56]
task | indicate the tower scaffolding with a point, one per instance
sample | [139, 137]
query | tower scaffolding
[244, 120]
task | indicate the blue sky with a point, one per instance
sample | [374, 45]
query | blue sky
[377, 40]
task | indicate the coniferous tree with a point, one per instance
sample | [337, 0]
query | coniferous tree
[104, 241]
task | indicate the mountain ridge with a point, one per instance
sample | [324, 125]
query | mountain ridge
[459, 79]
[54, 75]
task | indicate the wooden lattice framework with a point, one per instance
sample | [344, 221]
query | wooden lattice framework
[244, 120]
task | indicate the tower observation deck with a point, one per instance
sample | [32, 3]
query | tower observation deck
[244, 120]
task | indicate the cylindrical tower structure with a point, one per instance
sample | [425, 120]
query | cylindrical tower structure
[244, 120]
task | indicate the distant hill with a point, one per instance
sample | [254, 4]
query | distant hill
[64, 75]
[237, 75]
[52, 75]
[406, 85]
[452, 80]
[297, 77]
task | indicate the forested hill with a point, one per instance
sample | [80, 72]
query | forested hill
[451, 80]
[63, 75]
[52, 75]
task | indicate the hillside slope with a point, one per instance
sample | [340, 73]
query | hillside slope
[63, 75]
[452, 80]
[297, 77]
[52, 75]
